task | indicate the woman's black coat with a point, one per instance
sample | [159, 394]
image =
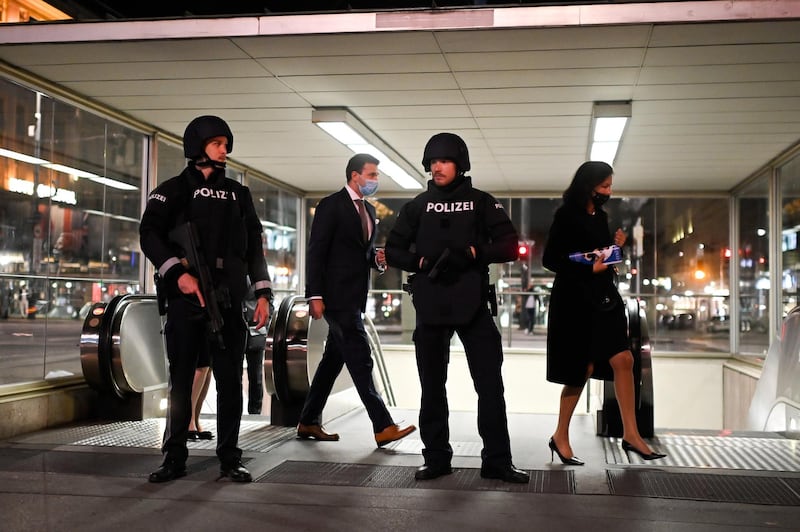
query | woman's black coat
[578, 332]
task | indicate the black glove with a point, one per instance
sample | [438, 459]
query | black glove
[460, 259]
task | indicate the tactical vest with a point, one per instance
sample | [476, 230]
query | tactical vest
[215, 208]
[449, 221]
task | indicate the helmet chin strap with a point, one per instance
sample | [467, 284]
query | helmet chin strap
[208, 163]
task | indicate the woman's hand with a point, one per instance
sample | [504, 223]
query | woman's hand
[620, 237]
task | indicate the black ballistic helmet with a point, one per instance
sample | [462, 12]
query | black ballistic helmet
[199, 131]
[446, 146]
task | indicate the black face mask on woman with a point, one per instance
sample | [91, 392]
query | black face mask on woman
[599, 199]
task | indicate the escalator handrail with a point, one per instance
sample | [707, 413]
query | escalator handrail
[280, 372]
[380, 362]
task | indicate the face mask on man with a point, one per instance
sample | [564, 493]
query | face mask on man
[369, 187]
[599, 199]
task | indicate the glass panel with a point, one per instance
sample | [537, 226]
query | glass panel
[71, 188]
[752, 265]
[278, 211]
[675, 261]
[171, 161]
[789, 175]
[683, 272]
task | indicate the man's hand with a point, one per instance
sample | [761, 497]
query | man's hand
[316, 307]
[187, 284]
[380, 260]
[261, 313]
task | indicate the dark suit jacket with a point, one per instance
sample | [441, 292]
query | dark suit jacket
[338, 261]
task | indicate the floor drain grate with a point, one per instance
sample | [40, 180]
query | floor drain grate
[382, 476]
[703, 487]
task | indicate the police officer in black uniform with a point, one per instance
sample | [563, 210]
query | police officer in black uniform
[230, 237]
[448, 236]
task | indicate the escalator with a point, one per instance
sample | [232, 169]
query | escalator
[123, 357]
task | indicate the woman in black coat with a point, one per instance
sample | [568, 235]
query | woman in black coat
[587, 333]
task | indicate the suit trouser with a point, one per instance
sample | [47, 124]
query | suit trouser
[348, 345]
[255, 379]
[484, 352]
[186, 334]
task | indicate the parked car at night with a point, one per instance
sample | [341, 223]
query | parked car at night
[685, 320]
[718, 324]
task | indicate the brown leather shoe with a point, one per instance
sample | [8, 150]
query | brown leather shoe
[305, 432]
[393, 433]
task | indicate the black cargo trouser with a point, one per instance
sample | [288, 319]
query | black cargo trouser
[483, 347]
[186, 329]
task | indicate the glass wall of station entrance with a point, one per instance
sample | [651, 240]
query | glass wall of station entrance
[72, 185]
[701, 265]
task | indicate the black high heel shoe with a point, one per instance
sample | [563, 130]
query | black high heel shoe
[627, 447]
[564, 460]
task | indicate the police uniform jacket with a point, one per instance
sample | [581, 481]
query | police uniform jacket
[452, 218]
[227, 225]
[586, 320]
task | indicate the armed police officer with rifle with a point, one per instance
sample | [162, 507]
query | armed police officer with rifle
[448, 236]
[201, 232]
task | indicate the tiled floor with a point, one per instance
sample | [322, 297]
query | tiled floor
[94, 477]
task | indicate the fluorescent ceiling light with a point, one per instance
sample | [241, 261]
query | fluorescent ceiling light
[113, 183]
[68, 170]
[20, 157]
[342, 132]
[608, 125]
[114, 216]
[273, 225]
[107, 181]
[342, 125]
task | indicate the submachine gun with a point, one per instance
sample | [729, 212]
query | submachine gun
[185, 236]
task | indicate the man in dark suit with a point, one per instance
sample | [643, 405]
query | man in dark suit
[341, 252]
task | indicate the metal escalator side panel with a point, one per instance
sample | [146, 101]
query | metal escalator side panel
[298, 352]
[788, 384]
[646, 358]
[138, 355]
[96, 357]
[276, 379]
[269, 356]
[774, 405]
[90, 345]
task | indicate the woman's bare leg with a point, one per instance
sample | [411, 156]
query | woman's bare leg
[199, 391]
[622, 364]
[569, 400]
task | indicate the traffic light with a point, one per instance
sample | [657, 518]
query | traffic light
[523, 251]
